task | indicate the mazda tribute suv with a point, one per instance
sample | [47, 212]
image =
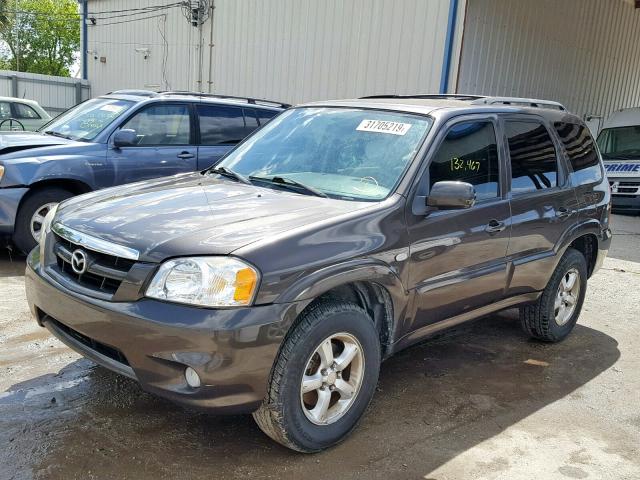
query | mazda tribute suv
[340, 233]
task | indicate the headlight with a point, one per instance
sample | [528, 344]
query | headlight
[46, 228]
[206, 281]
[1, 172]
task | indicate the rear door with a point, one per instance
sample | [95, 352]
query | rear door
[458, 257]
[166, 143]
[221, 128]
[543, 203]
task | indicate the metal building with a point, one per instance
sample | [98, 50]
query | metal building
[583, 53]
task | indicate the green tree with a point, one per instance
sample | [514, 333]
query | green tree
[39, 36]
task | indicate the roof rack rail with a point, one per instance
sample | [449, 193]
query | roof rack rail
[253, 101]
[139, 93]
[529, 102]
[435, 96]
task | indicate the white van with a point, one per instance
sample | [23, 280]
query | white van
[619, 143]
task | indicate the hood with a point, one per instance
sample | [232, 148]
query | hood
[11, 142]
[194, 214]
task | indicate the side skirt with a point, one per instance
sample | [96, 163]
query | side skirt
[428, 330]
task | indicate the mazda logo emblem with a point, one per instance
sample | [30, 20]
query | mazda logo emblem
[79, 262]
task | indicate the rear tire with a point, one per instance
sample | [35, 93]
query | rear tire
[556, 312]
[32, 208]
[291, 414]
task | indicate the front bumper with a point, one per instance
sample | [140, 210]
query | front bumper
[153, 342]
[627, 203]
[9, 201]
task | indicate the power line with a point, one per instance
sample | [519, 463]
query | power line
[102, 24]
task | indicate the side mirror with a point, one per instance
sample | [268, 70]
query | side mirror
[125, 138]
[449, 195]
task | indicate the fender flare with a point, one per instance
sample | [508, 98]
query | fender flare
[368, 270]
[589, 226]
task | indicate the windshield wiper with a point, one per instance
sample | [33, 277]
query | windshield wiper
[227, 172]
[288, 183]
[57, 134]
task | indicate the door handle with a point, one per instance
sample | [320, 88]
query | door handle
[185, 155]
[494, 226]
[563, 212]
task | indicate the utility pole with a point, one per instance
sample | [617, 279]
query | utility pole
[17, 30]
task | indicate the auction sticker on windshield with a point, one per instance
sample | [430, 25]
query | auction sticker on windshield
[382, 126]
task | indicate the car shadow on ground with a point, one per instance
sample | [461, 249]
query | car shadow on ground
[12, 264]
[434, 401]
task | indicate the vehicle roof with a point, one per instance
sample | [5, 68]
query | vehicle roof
[626, 117]
[446, 104]
[20, 100]
[141, 95]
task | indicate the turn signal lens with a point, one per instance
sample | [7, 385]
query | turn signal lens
[246, 280]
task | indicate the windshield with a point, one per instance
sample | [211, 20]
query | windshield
[620, 142]
[87, 120]
[342, 153]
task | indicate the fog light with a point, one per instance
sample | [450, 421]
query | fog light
[192, 378]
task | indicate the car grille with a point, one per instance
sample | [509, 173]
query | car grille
[104, 273]
[625, 188]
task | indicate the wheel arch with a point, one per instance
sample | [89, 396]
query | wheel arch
[372, 285]
[77, 187]
[584, 237]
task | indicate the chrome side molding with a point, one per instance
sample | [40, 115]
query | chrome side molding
[93, 243]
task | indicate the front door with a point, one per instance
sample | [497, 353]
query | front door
[165, 145]
[457, 257]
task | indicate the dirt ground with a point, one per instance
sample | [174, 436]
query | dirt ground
[480, 402]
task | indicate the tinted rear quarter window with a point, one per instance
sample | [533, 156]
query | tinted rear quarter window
[581, 150]
[534, 164]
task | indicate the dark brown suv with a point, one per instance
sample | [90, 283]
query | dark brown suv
[340, 233]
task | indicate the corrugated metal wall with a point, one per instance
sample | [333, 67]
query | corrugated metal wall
[583, 53]
[138, 49]
[301, 50]
[290, 50]
[54, 94]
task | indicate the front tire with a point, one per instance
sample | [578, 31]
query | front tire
[323, 379]
[31, 214]
[556, 312]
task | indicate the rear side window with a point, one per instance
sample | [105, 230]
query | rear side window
[534, 164]
[222, 125]
[265, 115]
[468, 154]
[5, 110]
[25, 111]
[581, 150]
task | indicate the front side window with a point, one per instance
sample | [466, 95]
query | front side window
[534, 164]
[469, 153]
[620, 143]
[221, 125]
[87, 120]
[581, 150]
[344, 153]
[25, 111]
[161, 125]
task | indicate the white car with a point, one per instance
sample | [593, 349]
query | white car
[21, 114]
[619, 143]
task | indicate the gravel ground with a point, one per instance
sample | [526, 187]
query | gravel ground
[480, 402]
